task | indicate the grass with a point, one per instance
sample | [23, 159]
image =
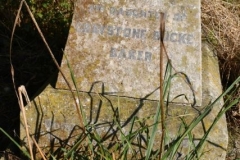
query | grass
[126, 144]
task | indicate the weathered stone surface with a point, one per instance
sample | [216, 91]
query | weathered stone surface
[52, 117]
[113, 49]
[117, 43]
[212, 88]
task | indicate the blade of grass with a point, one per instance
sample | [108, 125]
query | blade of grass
[125, 139]
[192, 146]
[80, 105]
[22, 91]
[160, 112]
[173, 149]
[129, 138]
[76, 88]
[103, 151]
[18, 92]
[180, 130]
[23, 151]
[153, 133]
[161, 100]
[39, 149]
[56, 63]
[221, 112]
[75, 146]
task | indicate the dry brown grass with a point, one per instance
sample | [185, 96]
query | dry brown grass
[221, 28]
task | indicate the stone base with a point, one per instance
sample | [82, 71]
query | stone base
[54, 122]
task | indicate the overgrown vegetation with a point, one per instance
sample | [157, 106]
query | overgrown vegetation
[30, 57]
[33, 65]
[221, 28]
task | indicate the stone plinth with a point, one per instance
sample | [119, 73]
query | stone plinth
[53, 118]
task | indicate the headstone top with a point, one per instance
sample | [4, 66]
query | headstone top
[116, 43]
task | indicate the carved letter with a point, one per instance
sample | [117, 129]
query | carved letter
[113, 52]
[148, 56]
[127, 32]
[136, 33]
[132, 54]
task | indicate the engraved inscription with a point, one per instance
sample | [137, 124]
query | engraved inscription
[131, 54]
[136, 33]
[109, 30]
[118, 43]
[129, 12]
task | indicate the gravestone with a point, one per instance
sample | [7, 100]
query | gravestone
[117, 43]
[113, 51]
